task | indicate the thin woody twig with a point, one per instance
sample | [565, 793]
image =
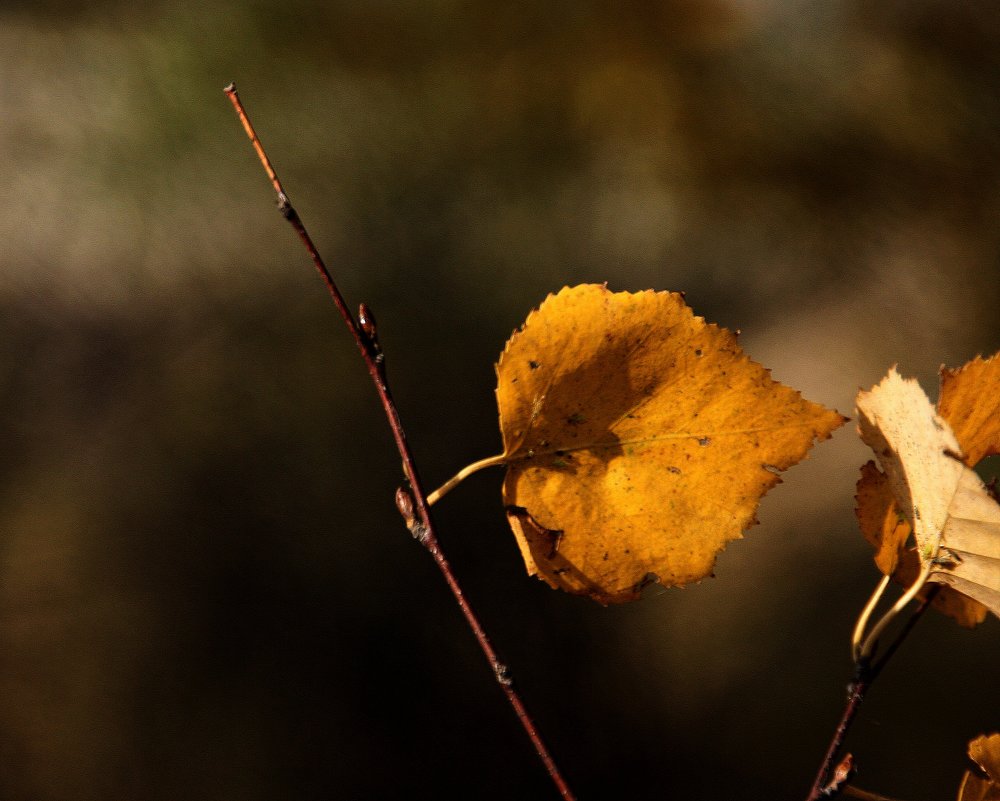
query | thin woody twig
[865, 674]
[410, 499]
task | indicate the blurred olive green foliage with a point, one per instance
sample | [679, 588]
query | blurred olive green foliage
[205, 590]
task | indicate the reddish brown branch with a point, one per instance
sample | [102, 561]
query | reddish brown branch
[412, 501]
[823, 786]
[826, 785]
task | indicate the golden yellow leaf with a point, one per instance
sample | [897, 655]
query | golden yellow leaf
[985, 752]
[639, 440]
[955, 522]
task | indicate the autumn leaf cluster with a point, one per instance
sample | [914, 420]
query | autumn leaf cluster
[639, 439]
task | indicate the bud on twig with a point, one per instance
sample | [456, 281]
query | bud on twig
[367, 322]
[369, 330]
[404, 502]
[406, 507]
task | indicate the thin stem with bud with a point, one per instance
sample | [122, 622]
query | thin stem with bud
[411, 499]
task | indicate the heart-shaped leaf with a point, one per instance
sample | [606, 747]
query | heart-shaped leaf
[639, 440]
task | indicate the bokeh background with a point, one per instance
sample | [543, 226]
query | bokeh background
[205, 589]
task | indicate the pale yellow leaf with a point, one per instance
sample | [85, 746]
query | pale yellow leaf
[917, 452]
[970, 556]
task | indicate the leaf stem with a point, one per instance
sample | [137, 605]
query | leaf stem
[464, 473]
[865, 616]
[866, 649]
[413, 503]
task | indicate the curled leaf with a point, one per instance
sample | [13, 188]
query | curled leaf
[639, 440]
[918, 453]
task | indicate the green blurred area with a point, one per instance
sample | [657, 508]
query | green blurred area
[205, 589]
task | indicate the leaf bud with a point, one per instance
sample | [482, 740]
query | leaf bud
[404, 503]
[366, 321]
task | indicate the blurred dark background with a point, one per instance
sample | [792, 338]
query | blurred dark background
[205, 589]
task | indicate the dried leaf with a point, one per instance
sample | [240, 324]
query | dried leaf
[917, 451]
[971, 544]
[881, 521]
[970, 401]
[955, 522]
[639, 440]
[985, 752]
